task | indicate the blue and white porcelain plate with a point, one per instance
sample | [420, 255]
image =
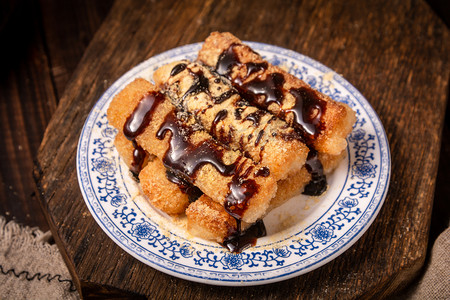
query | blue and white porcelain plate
[302, 235]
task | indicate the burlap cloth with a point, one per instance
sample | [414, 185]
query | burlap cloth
[31, 268]
[434, 281]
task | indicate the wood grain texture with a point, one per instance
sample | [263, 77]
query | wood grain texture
[65, 44]
[30, 84]
[394, 53]
[26, 106]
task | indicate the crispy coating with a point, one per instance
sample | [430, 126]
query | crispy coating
[337, 118]
[207, 177]
[331, 162]
[209, 220]
[162, 193]
[295, 183]
[126, 149]
[267, 140]
[246, 134]
[290, 187]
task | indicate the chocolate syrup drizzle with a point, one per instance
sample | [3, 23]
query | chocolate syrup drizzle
[263, 172]
[255, 117]
[178, 69]
[255, 67]
[307, 110]
[239, 240]
[139, 156]
[227, 60]
[141, 116]
[219, 117]
[238, 113]
[258, 138]
[185, 159]
[318, 183]
[201, 84]
[224, 96]
[135, 125]
[271, 88]
[240, 190]
[185, 186]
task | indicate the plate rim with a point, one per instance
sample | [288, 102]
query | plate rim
[254, 281]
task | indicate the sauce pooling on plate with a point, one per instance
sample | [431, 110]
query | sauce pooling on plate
[318, 183]
[240, 240]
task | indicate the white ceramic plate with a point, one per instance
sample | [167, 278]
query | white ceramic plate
[302, 235]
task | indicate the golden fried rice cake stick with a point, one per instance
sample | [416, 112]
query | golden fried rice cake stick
[226, 176]
[217, 106]
[290, 187]
[163, 189]
[296, 182]
[209, 220]
[162, 193]
[206, 219]
[323, 122]
[132, 154]
[331, 162]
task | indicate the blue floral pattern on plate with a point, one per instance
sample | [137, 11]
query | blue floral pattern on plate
[347, 210]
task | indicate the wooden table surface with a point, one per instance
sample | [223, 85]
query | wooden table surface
[60, 58]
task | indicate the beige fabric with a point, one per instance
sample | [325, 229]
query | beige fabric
[31, 268]
[435, 282]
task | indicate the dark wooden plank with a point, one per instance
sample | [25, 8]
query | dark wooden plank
[441, 206]
[26, 106]
[440, 218]
[396, 54]
[30, 84]
[69, 27]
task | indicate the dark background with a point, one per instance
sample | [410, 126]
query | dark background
[42, 43]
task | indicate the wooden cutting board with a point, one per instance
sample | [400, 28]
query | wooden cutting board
[395, 54]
